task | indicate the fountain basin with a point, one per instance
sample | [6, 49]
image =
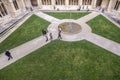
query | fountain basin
[70, 28]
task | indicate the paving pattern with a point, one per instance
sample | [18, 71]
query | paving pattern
[35, 44]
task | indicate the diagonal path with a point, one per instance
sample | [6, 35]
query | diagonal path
[88, 17]
[46, 17]
[104, 43]
[22, 51]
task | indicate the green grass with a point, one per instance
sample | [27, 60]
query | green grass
[67, 15]
[65, 61]
[30, 29]
[101, 26]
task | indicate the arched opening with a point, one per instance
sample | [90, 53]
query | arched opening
[3, 11]
[15, 4]
[46, 2]
[34, 3]
[99, 2]
[60, 2]
[73, 2]
[86, 2]
[117, 5]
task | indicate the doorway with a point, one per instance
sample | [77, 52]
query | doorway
[34, 3]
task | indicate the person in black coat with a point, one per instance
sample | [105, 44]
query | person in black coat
[8, 54]
[45, 34]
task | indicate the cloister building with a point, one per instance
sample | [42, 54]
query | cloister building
[12, 8]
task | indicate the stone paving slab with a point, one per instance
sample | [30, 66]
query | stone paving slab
[104, 43]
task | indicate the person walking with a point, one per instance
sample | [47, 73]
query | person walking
[45, 34]
[51, 37]
[8, 54]
[59, 33]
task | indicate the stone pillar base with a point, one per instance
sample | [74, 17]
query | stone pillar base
[118, 14]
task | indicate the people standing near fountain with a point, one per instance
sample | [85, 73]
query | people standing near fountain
[51, 37]
[59, 33]
[45, 34]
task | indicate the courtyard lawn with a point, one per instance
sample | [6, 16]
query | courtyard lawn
[67, 15]
[60, 60]
[101, 26]
[30, 29]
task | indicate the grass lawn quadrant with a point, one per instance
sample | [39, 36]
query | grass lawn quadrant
[60, 60]
[67, 15]
[29, 30]
[102, 26]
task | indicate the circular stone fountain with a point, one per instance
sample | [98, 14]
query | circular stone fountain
[70, 28]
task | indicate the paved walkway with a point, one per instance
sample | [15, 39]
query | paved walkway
[46, 17]
[24, 50]
[104, 43]
[88, 17]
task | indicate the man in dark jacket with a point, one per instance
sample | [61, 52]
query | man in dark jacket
[45, 34]
[8, 54]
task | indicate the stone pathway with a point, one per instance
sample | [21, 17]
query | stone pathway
[34, 44]
[46, 17]
[88, 17]
[22, 51]
[104, 43]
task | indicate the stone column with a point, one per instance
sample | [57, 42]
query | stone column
[94, 2]
[29, 3]
[80, 3]
[21, 5]
[2, 9]
[87, 2]
[53, 4]
[66, 3]
[118, 14]
[11, 8]
[105, 3]
[39, 3]
[111, 5]
[1, 14]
